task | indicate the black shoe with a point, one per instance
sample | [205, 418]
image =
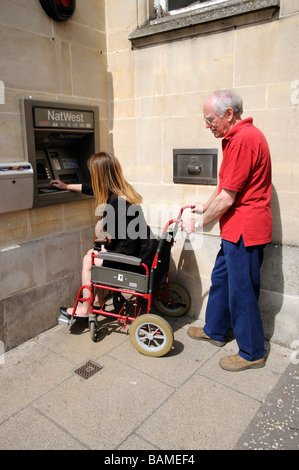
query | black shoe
[63, 310]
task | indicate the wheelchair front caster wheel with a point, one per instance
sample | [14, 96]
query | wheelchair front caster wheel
[151, 335]
[93, 331]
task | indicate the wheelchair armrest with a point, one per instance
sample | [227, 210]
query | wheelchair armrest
[119, 258]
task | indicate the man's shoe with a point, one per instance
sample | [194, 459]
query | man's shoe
[198, 333]
[236, 363]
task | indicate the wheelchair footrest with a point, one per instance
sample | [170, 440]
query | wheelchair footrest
[62, 320]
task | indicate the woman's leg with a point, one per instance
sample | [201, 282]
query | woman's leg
[83, 310]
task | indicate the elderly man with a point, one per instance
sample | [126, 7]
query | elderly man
[242, 203]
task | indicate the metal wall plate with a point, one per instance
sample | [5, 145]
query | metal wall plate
[195, 166]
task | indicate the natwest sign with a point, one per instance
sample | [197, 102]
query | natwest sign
[67, 116]
[62, 118]
[59, 10]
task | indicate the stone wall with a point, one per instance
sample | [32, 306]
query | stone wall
[150, 102]
[41, 249]
[158, 93]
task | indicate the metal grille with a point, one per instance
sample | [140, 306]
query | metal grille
[88, 369]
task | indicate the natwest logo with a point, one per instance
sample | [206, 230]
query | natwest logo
[65, 116]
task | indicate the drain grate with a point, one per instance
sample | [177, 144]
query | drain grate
[88, 369]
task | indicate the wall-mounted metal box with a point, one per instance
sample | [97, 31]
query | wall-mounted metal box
[16, 186]
[195, 166]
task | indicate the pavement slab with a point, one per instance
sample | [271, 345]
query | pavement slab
[182, 401]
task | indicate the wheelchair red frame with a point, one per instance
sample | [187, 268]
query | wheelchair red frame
[163, 294]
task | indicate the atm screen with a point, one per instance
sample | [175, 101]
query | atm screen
[69, 163]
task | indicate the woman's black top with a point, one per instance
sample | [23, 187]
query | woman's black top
[129, 231]
[87, 189]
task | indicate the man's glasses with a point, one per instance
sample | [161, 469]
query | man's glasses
[209, 120]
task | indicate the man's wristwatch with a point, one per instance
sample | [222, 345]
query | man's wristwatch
[196, 226]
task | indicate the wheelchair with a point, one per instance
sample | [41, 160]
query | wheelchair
[149, 333]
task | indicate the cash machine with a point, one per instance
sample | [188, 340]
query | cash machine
[59, 138]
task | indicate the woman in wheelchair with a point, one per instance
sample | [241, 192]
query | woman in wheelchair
[121, 228]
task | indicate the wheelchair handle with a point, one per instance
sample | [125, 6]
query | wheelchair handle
[178, 219]
[189, 206]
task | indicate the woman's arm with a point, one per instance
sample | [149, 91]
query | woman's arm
[61, 185]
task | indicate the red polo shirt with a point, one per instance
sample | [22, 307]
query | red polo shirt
[246, 168]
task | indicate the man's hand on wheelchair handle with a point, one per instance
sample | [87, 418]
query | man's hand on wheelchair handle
[198, 208]
[193, 225]
[187, 225]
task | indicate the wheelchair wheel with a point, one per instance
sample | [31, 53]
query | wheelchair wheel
[177, 303]
[151, 335]
[93, 331]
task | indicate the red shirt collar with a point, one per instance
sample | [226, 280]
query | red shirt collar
[244, 123]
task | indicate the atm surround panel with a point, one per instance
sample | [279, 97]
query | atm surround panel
[59, 138]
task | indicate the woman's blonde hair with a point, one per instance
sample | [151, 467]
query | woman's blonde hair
[107, 177]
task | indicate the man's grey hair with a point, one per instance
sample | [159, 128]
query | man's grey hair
[225, 99]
